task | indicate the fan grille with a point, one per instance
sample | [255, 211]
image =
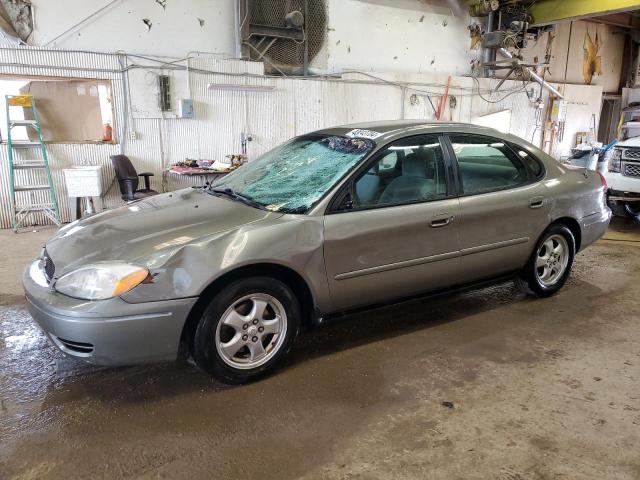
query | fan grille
[272, 13]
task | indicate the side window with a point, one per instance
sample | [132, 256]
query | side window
[409, 170]
[487, 164]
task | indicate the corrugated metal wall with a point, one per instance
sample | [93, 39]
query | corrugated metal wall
[296, 106]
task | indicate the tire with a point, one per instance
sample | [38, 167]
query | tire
[545, 274]
[235, 342]
[633, 210]
[619, 210]
[625, 209]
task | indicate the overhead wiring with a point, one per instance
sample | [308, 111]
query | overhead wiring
[507, 95]
[328, 77]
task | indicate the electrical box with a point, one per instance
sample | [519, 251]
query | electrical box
[164, 93]
[559, 110]
[186, 108]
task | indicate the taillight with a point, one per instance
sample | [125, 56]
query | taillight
[603, 181]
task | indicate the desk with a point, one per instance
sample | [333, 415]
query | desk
[188, 177]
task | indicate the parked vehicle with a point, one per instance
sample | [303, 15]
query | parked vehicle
[623, 178]
[332, 221]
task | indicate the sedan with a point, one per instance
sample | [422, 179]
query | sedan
[336, 220]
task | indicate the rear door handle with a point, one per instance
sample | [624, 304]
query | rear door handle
[441, 222]
[536, 202]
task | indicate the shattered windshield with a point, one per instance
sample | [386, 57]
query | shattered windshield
[293, 176]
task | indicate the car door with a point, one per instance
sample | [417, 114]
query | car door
[503, 208]
[392, 231]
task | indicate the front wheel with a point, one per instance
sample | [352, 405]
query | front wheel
[633, 210]
[625, 209]
[618, 209]
[247, 329]
[550, 264]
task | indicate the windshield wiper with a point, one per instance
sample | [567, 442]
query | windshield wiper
[236, 196]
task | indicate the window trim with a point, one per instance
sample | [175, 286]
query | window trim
[531, 178]
[543, 171]
[348, 186]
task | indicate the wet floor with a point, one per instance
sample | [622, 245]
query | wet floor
[487, 384]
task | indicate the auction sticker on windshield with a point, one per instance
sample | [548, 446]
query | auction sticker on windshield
[358, 132]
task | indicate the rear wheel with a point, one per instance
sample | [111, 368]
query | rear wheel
[550, 265]
[247, 329]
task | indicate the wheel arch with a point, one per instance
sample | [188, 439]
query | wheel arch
[285, 274]
[573, 225]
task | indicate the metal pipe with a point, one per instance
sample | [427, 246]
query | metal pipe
[489, 54]
[236, 30]
[543, 83]
[306, 39]
[81, 22]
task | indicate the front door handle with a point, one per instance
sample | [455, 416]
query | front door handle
[536, 202]
[441, 222]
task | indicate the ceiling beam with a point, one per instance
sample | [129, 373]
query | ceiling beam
[545, 12]
[623, 20]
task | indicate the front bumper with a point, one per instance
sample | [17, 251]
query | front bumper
[108, 332]
[622, 196]
[623, 185]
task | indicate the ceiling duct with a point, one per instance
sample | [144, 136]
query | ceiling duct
[285, 34]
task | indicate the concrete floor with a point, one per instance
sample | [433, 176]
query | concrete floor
[540, 389]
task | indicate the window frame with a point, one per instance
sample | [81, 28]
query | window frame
[350, 170]
[61, 78]
[543, 171]
[348, 188]
[531, 177]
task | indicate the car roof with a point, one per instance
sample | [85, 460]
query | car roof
[387, 129]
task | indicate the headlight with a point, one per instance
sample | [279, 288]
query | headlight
[101, 281]
[614, 160]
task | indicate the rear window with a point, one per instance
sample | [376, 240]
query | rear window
[533, 164]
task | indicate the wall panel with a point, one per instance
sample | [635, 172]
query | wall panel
[295, 107]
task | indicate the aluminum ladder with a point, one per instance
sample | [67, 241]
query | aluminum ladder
[22, 210]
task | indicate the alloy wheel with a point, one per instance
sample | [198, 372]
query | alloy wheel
[251, 331]
[552, 259]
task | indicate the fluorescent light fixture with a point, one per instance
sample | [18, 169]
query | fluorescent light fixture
[241, 88]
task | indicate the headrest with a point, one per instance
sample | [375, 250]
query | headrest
[414, 165]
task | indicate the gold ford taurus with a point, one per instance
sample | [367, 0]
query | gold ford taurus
[335, 220]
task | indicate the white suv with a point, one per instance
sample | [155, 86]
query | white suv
[623, 178]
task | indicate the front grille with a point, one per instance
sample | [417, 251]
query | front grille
[632, 169]
[632, 154]
[78, 347]
[49, 267]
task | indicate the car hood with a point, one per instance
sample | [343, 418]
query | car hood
[631, 142]
[148, 227]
